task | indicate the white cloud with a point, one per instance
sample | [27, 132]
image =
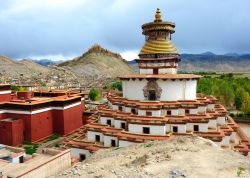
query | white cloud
[129, 55]
[66, 27]
[56, 57]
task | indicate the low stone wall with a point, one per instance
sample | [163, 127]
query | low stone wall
[240, 120]
[50, 167]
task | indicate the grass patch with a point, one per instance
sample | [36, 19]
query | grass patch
[240, 171]
[148, 145]
[31, 149]
[53, 137]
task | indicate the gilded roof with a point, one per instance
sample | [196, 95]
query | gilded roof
[159, 47]
[158, 35]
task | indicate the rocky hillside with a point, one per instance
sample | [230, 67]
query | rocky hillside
[217, 63]
[27, 72]
[209, 62]
[12, 68]
[95, 68]
[189, 157]
[97, 64]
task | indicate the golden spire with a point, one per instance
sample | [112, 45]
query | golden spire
[158, 15]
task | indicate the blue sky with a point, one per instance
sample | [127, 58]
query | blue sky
[62, 29]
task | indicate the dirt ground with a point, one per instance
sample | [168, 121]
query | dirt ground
[191, 157]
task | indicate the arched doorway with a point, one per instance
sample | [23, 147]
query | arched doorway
[152, 91]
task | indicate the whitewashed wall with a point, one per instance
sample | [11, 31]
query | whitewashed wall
[181, 111]
[91, 135]
[171, 90]
[202, 109]
[168, 128]
[146, 71]
[16, 159]
[175, 112]
[103, 120]
[210, 107]
[75, 152]
[133, 89]
[117, 123]
[155, 113]
[154, 130]
[233, 137]
[160, 71]
[193, 111]
[221, 120]
[115, 107]
[212, 123]
[203, 127]
[167, 70]
[181, 128]
[107, 140]
[127, 109]
[226, 140]
[189, 127]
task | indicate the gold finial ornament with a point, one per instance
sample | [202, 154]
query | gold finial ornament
[158, 15]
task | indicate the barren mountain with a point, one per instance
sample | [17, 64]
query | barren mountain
[190, 157]
[216, 63]
[97, 64]
[209, 62]
[27, 72]
[14, 69]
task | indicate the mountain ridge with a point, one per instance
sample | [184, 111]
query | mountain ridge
[210, 62]
[97, 64]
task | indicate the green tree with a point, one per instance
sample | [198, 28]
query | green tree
[23, 89]
[238, 97]
[94, 94]
[116, 85]
[14, 88]
[225, 93]
[245, 103]
[205, 86]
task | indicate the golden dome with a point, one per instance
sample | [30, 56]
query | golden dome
[158, 47]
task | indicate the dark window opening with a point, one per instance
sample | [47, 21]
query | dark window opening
[120, 108]
[196, 128]
[109, 122]
[133, 111]
[155, 71]
[97, 138]
[186, 111]
[175, 129]
[82, 157]
[123, 125]
[113, 143]
[151, 95]
[146, 130]
[168, 113]
[21, 160]
[148, 113]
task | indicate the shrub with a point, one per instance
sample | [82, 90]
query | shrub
[94, 94]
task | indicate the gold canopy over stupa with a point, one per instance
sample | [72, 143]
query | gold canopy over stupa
[158, 37]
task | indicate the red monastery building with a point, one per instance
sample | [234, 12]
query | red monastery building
[32, 116]
[159, 104]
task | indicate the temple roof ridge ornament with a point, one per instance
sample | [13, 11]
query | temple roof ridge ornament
[158, 15]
